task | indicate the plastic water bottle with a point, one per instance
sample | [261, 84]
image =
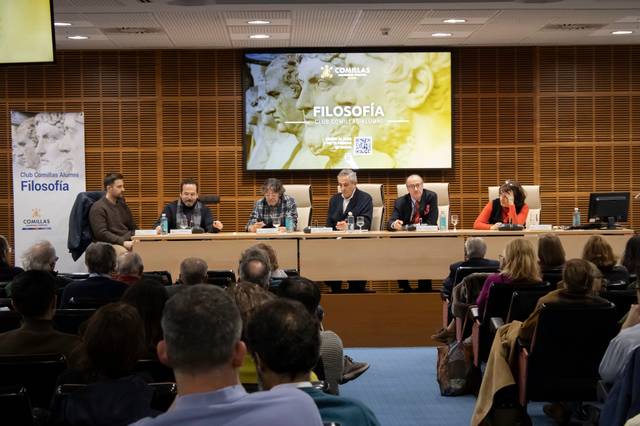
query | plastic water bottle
[351, 222]
[288, 223]
[442, 221]
[576, 217]
[164, 224]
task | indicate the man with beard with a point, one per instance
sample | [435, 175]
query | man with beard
[188, 212]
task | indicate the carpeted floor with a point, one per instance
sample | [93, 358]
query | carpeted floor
[401, 388]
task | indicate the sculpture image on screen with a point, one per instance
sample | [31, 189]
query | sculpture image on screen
[360, 110]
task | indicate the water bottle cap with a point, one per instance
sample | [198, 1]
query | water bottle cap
[575, 209]
[164, 214]
[350, 214]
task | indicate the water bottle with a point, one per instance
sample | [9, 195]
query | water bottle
[576, 217]
[351, 222]
[164, 224]
[442, 221]
[288, 223]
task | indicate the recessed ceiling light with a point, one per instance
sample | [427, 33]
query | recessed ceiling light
[441, 35]
[62, 24]
[454, 21]
[259, 36]
[77, 37]
[258, 22]
[621, 32]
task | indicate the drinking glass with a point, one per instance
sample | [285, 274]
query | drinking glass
[276, 222]
[183, 223]
[454, 221]
[360, 222]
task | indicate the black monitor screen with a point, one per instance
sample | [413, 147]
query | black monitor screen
[605, 205]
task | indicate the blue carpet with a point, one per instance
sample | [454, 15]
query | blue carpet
[401, 389]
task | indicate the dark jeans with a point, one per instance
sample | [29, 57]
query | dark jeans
[423, 285]
[354, 286]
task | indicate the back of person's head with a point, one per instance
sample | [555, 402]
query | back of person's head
[255, 267]
[285, 337]
[201, 326]
[248, 296]
[599, 252]
[193, 270]
[475, 248]
[113, 340]
[100, 258]
[550, 251]
[271, 253]
[148, 296]
[631, 256]
[579, 276]
[33, 293]
[40, 257]
[129, 263]
[520, 263]
[4, 249]
[301, 289]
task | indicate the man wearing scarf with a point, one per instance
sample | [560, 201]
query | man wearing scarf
[187, 212]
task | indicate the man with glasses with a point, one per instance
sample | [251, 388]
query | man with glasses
[419, 206]
[273, 209]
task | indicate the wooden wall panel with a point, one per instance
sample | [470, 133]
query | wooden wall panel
[567, 118]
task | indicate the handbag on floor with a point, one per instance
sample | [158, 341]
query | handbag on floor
[455, 370]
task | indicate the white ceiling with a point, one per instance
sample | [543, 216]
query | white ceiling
[186, 24]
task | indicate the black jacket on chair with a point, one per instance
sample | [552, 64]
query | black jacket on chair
[80, 235]
[428, 209]
[360, 204]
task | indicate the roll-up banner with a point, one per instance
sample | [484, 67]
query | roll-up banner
[48, 173]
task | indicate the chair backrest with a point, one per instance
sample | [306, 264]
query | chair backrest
[500, 295]
[37, 373]
[15, 406]
[223, 277]
[70, 320]
[553, 276]
[523, 303]
[164, 277]
[302, 195]
[566, 350]
[464, 271]
[622, 299]
[466, 293]
[532, 199]
[375, 190]
[442, 191]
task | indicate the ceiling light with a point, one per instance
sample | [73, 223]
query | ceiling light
[621, 32]
[441, 35]
[77, 37]
[258, 22]
[62, 24]
[454, 21]
[259, 36]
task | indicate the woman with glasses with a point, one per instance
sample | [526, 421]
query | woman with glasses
[509, 207]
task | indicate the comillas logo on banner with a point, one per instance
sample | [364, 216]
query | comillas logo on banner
[48, 174]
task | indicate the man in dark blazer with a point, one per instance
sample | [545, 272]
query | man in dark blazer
[474, 250]
[359, 203]
[419, 206]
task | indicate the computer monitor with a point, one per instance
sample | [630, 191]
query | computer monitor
[609, 207]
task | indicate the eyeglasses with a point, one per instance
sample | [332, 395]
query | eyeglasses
[414, 186]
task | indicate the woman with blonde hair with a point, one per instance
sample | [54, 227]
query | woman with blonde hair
[518, 264]
[599, 252]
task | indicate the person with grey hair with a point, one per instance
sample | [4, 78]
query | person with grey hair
[40, 257]
[99, 288]
[255, 267]
[193, 270]
[202, 327]
[273, 209]
[350, 200]
[129, 268]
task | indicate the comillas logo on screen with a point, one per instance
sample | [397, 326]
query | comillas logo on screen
[36, 222]
[327, 72]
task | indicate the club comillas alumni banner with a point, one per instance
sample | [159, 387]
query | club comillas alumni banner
[48, 173]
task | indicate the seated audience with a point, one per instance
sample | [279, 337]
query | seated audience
[111, 344]
[7, 272]
[338, 368]
[599, 252]
[34, 297]
[631, 256]
[580, 284]
[193, 270]
[129, 268]
[41, 256]
[255, 267]
[276, 271]
[284, 339]
[149, 297]
[202, 329]
[519, 265]
[509, 207]
[551, 255]
[99, 288]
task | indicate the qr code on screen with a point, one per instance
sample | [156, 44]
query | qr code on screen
[362, 145]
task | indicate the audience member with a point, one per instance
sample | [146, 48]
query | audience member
[255, 267]
[276, 271]
[193, 270]
[99, 288]
[599, 252]
[7, 272]
[129, 268]
[202, 328]
[41, 256]
[284, 339]
[111, 345]
[631, 256]
[518, 265]
[273, 209]
[509, 207]
[34, 297]
[550, 253]
[149, 297]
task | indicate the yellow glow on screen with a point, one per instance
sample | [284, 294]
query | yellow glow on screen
[25, 31]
